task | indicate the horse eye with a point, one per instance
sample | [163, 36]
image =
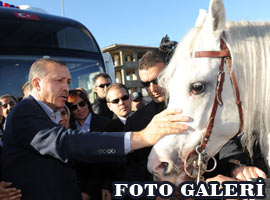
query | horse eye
[197, 88]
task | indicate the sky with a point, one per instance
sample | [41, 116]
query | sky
[144, 22]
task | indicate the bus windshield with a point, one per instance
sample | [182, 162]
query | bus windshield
[26, 36]
[14, 73]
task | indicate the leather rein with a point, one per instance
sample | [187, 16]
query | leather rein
[196, 161]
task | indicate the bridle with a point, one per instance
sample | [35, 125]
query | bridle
[196, 161]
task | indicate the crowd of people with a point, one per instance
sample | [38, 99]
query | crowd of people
[57, 145]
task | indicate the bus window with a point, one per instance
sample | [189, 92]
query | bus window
[14, 73]
[49, 36]
[71, 38]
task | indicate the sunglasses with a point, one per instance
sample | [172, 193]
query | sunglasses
[103, 85]
[123, 98]
[147, 83]
[74, 107]
[11, 103]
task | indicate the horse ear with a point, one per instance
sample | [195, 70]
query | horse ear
[201, 18]
[215, 21]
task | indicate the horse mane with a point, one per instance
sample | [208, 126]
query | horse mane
[250, 49]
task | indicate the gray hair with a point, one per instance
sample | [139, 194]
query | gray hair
[39, 68]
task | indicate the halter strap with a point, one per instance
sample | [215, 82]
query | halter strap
[212, 54]
[225, 56]
[237, 95]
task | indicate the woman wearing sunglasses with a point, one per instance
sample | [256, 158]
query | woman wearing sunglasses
[83, 118]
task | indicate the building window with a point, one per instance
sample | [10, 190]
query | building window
[116, 60]
[118, 77]
[131, 75]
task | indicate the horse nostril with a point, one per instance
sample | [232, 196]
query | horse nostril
[161, 169]
[164, 165]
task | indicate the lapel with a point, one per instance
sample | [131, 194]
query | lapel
[93, 123]
[38, 105]
[97, 123]
[119, 123]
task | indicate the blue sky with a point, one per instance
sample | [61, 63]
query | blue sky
[144, 22]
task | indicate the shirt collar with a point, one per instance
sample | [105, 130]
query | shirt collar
[123, 119]
[54, 116]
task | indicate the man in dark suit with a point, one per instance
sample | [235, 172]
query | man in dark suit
[119, 102]
[37, 150]
[102, 82]
[151, 64]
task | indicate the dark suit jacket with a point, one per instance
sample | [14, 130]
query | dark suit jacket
[100, 108]
[142, 117]
[136, 167]
[36, 153]
[115, 125]
[99, 123]
[91, 176]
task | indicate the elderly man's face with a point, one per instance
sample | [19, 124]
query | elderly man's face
[8, 104]
[54, 87]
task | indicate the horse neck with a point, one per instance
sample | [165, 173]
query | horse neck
[250, 49]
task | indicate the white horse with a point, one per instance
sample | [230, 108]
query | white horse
[191, 82]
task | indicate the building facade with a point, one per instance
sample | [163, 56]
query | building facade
[126, 61]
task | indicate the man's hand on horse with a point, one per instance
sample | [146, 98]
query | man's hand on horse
[246, 173]
[164, 123]
[220, 178]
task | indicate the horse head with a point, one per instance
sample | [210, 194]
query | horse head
[191, 83]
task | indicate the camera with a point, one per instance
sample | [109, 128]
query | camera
[167, 48]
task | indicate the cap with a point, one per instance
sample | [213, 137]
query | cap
[136, 96]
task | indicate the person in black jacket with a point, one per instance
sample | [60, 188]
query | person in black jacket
[235, 161]
[6, 189]
[37, 150]
[119, 102]
[83, 118]
[151, 64]
[102, 82]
